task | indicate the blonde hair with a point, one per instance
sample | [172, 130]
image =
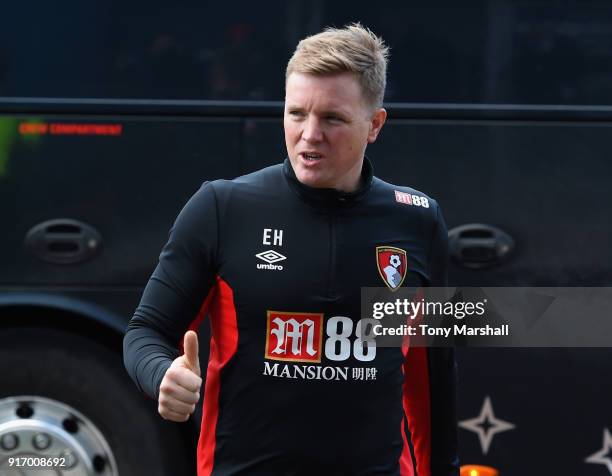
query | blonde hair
[353, 49]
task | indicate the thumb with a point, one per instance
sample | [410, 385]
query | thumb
[190, 345]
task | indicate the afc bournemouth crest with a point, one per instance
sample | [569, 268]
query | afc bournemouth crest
[392, 265]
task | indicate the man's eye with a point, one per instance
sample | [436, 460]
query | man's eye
[334, 119]
[296, 113]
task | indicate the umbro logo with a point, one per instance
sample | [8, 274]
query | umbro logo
[270, 257]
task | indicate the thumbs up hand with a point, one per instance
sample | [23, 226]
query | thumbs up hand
[190, 346]
[180, 388]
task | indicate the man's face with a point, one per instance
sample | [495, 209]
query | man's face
[327, 128]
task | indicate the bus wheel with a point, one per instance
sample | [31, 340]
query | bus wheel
[67, 406]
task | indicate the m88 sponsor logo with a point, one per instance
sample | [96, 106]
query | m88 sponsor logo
[411, 199]
[306, 337]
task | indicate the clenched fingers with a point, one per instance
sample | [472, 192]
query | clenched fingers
[171, 404]
[173, 390]
[184, 377]
[172, 415]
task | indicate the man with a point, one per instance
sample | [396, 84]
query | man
[277, 259]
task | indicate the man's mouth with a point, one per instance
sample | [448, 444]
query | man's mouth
[311, 156]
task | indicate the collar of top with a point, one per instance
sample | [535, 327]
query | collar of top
[329, 196]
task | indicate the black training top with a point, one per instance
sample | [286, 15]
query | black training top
[290, 388]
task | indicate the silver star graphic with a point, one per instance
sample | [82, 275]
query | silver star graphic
[600, 457]
[493, 425]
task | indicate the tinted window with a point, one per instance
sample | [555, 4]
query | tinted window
[126, 177]
[520, 52]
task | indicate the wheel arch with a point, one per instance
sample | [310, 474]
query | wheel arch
[71, 315]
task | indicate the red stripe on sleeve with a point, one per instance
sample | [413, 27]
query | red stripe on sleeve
[405, 462]
[417, 407]
[415, 401]
[195, 324]
[223, 346]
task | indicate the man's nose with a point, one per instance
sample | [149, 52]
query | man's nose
[312, 130]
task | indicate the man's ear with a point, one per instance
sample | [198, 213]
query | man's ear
[377, 121]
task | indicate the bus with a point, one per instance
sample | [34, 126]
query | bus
[113, 113]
